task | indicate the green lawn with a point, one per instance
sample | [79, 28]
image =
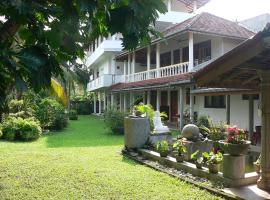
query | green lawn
[83, 162]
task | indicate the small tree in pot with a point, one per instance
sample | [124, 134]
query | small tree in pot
[163, 148]
[213, 161]
[179, 150]
[257, 165]
[197, 158]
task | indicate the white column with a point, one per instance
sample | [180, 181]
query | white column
[190, 51]
[169, 103]
[99, 103]
[120, 95]
[131, 98]
[264, 181]
[158, 100]
[128, 66]
[191, 105]
[181, 107]
[95, 103]
[133, 64]
[169, 6]
[99, 40]
[112, 100]
[104, 105]
[149, 97]
[158, 58]
[148, 61]
[125, 102]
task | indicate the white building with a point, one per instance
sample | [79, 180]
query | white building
[161, 73]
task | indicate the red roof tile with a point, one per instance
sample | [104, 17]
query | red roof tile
[152, 82]
[208, 23]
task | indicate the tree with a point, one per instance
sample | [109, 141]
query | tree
[37, 36]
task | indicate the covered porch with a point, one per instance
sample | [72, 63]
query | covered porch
[247, 67]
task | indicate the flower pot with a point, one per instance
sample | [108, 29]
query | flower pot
[213, 168]
[164, 153]
[199, 165]
[235, 149]
[257, 168]
[179, 158]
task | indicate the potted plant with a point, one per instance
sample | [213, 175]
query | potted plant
[179, 149]
[163, 148]
[213, 161]
[235, 142]
[257, 165]
[197, 158]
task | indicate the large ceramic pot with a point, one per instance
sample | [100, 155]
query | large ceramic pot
[235, 149]
[213, 168]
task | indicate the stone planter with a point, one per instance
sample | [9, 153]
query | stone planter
[235, 149]
[137, 131]
[203, 146]
[257, 168]
[213, 168]
[179, 158]
[164, 153]
[154, 138]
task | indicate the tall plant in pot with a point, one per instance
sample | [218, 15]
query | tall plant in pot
[213, 161]
[163, 148]
[235, 142]
[198, 159]
[179, 150]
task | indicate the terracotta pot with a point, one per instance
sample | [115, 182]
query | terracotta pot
[257, 168]
[199, 165]
[235, 149]
[213, 168]
[179, 158]
[164, 153]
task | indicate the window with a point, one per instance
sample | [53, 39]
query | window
[246, 97]
[165, 59]
[202, 52]
[176, 56]
[214, 101]
[185, 54]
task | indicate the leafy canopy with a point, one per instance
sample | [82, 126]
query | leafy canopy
[37, 36]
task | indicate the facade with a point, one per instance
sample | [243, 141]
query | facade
[161, 73]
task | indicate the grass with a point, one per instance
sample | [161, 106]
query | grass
[83, 162]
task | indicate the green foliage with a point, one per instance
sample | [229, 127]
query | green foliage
[51, 114]
[258, 161]
[212, 158]
[197, 157]
[162, 146]
[73, 115]
[21, 129]
[20, 108]
[36, 37]
[148, 111]
[204, 121]
[114, 119]
[82, 103]
[179, 147]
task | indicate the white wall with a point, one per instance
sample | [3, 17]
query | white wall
[239, 112]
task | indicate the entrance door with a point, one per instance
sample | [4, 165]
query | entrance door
[174, 105]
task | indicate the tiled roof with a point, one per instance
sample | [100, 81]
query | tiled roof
[208, 23]
[152, 82]
[190, 3]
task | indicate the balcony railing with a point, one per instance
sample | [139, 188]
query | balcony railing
[170, 70]
[105, 80]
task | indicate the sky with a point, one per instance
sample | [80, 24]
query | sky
[237, 9]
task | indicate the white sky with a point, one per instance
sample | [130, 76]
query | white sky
[237, 9]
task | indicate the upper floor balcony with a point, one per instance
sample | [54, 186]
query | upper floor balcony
[105, 80]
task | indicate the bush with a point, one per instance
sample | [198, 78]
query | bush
[20, 108]
[204, 121]
[73, 115]
[51, 114]
[21, 129]
[114, 120]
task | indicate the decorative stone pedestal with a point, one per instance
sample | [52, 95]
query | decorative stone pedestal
[233, 166]
[137, 131]
[203, 146]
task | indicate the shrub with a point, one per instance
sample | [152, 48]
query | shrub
[51, 114]
[20, 108]
[114, 120]
[73, 114]
[1, 133]
[21, 129]
[204, 121]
